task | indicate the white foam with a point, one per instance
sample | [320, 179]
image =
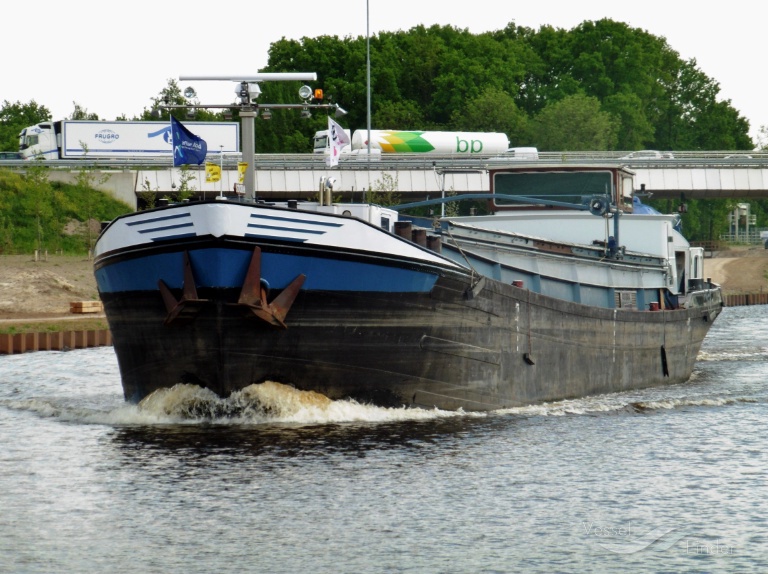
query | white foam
[267, 402]
[744, 355]
[271, 402]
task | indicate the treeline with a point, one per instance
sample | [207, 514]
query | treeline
[602, 85]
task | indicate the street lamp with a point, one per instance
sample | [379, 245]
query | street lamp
[305, 93]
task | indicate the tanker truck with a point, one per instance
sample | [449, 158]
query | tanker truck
[321, 143]
[438, 143]
[443, 143]
[80, 139]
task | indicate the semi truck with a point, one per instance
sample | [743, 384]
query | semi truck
[79, 139]
[320, 143]
[402, 141]
[447, 143]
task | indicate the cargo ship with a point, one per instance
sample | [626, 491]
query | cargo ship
[567, 287]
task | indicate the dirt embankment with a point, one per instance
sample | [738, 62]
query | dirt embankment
[42, 289]
[739, 270]
[32, 289]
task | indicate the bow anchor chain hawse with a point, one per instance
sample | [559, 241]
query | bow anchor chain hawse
[253, 296]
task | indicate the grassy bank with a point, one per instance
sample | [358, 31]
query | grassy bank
[60, 218]
[53, 325]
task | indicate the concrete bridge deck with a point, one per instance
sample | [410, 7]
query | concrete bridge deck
[739, 175]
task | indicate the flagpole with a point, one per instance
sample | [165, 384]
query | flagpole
[368, 86]
[173, 149]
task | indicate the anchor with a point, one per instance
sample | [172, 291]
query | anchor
[253, 295]
[185, 309]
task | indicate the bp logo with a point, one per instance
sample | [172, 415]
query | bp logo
[106, 136]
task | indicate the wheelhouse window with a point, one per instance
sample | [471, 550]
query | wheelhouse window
[560, 186]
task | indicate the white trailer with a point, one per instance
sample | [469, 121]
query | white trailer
[402, 141]
[446, 143]
[79, 139]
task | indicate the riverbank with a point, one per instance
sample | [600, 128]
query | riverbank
[739, 270]
[36, 295]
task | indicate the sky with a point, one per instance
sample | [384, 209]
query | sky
[113, 57]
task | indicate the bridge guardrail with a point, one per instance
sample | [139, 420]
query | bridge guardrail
[730, 159]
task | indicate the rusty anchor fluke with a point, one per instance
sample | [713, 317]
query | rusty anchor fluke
[185, 309]
[253, 296]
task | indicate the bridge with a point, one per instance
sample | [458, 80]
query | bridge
[705, 175]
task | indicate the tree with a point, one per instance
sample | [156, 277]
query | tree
[384, 191]
[185, 189]
[169, 95]
[628, 70]
[147, 195]
[17, 116]
[80, 113]
[341, 71]
[705, 219]
[575, 123]
[426, 78]
[493, 110]
[636, 129]
[695, 120]
[402, 115]
[547, 76]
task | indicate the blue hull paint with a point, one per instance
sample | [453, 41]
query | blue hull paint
[226, 268]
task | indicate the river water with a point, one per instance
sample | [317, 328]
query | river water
[661, 480]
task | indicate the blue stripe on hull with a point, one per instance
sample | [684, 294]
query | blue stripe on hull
[226, 268]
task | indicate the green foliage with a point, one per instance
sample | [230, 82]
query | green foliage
[168, 95]
[185, 190]
[80, 113]
[148, 195]
[636, 128]
[384, 191]
[705, 219]
[286, 131]
[37, 201]
[17, 116]
[86, 180]
[641, 94]
[575, 123]
[695, 120]
[38, 214]
[625, 88]
[762, 138]
[404, 115]
[451, 209]
[494, 110]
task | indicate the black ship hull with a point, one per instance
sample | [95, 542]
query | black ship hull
[377, 319]
[506, 347]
